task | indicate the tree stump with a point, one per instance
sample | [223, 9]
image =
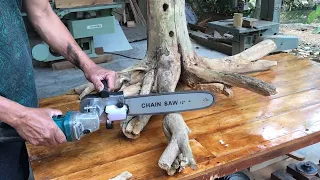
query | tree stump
[171, 59]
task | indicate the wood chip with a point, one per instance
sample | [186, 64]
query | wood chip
[221, 142]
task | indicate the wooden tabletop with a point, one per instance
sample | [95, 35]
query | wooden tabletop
[256, 129]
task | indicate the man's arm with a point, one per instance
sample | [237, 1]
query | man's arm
[54, 32]
[7, 115]
[34, 125]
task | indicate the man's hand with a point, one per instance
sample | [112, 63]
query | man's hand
[47, 24]
[95, 74]
[37, 127]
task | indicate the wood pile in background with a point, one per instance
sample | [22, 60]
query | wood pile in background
[130, 14]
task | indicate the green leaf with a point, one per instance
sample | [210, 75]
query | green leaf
[316, 30]
[314, 15]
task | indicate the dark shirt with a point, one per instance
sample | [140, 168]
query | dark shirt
[17, 79]
[16, 82]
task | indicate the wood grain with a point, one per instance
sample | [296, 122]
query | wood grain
[79, 3]
[256, 129]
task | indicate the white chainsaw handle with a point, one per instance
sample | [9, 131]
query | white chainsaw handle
[115, 113]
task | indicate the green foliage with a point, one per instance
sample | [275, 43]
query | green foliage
[314, 15]
[203, 7]
[225, 8]
[289, 5]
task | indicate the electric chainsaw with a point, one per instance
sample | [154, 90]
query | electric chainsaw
[113, 106]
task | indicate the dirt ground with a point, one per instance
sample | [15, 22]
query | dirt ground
[309, 43]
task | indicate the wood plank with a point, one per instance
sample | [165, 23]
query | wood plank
[145, 143]
[260, 131]
[62, 65]
[296, 156]
[70, 101]
[247, 101]
[256, 128]
[242, 99]
[222, 121]
[267, 163]
[135, 163]
[139, 168]
[139, 13]
[135, 13]
[67, 65]
[79, 3]
[242, 114]
[223, 115]
[142, 163]
[221, 106]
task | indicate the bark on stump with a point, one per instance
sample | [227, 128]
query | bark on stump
[171, 59]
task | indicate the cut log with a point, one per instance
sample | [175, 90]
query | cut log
[178, 154]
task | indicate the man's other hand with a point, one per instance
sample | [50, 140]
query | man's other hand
[96, 74]
[38, 128]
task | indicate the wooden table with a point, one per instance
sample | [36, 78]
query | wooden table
[255, 127]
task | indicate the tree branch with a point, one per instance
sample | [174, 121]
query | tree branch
[233, 79]
[178, 154]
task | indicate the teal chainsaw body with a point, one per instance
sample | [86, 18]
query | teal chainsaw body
[75, 124]
[63, 122]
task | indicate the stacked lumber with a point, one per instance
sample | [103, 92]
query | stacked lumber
[130, 14]
[138, 16]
